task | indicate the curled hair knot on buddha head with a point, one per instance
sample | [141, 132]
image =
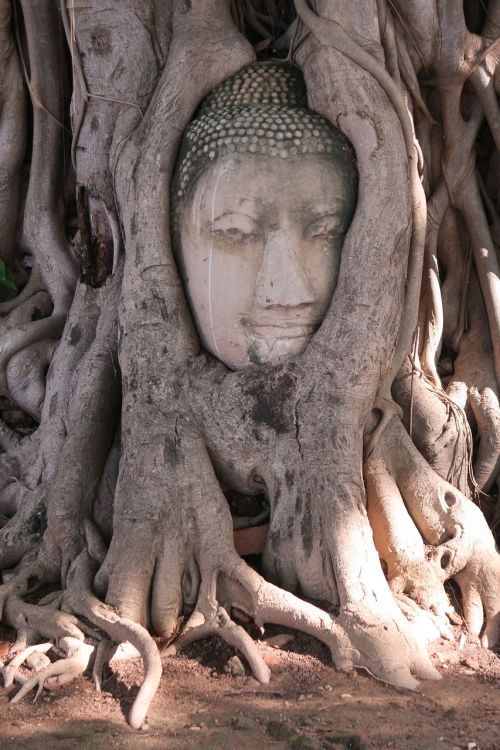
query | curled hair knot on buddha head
[260, 110]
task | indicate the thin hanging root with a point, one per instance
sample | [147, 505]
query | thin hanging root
[10, 671]
[119, 629]
[62, 671]
[229, 631]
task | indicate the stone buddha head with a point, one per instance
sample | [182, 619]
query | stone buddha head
[263, 194]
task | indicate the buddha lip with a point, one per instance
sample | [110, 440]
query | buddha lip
[281, 325]
[282, 330]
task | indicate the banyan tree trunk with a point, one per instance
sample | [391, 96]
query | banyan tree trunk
[377, 448]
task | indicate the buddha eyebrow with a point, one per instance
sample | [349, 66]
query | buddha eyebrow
[232, 213]
[253, 200]
[323, 209]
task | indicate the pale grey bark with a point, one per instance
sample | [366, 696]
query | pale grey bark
[136, 514]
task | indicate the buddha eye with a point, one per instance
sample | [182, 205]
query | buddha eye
[323, 228]
[236, 228]
[233, 234]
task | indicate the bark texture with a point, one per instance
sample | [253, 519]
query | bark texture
[377, 449]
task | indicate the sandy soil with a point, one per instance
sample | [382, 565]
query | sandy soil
[200, 705]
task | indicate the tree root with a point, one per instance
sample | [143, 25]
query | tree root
[22, 581]
[381, 643]
[222, 625]
[26, 372]
[10, 672]
[438, 424]
[486, 408]
[45, 621]
[332, 34]
[14, 340]
[447, 519]
[8, 438]
[78, 599]
[13, 132]
[479, 583]
[32, 286]
[81, 601]
[62, 671]
[104, 653]
[432, 625]
[23, 533]
[108, 651]
[163, 502]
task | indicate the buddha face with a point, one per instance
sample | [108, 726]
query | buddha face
[260, 245]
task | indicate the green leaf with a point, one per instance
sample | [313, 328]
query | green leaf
[6, 278]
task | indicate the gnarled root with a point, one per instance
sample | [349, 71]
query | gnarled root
[221, 624]
[104, 653]
[383, 644]
[366, 636]
[45, 621]
[60, 672]
[479, 583]
[10, 672]
[415, 578]
[430, 625]
[33, 620]
[370, 636]
[448, 520]
[81, 601]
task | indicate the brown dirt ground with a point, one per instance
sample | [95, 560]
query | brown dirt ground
[200, 706]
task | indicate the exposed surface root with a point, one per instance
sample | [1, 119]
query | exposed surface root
[10, 672]
[149, 530]
[479, 583]
[445, 518]
[431, 625]
[383, 643]
[119, 629]
[233, 634]
[60, 672]
[104, 653]
[46, 621]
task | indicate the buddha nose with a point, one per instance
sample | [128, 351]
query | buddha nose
[282, 280]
